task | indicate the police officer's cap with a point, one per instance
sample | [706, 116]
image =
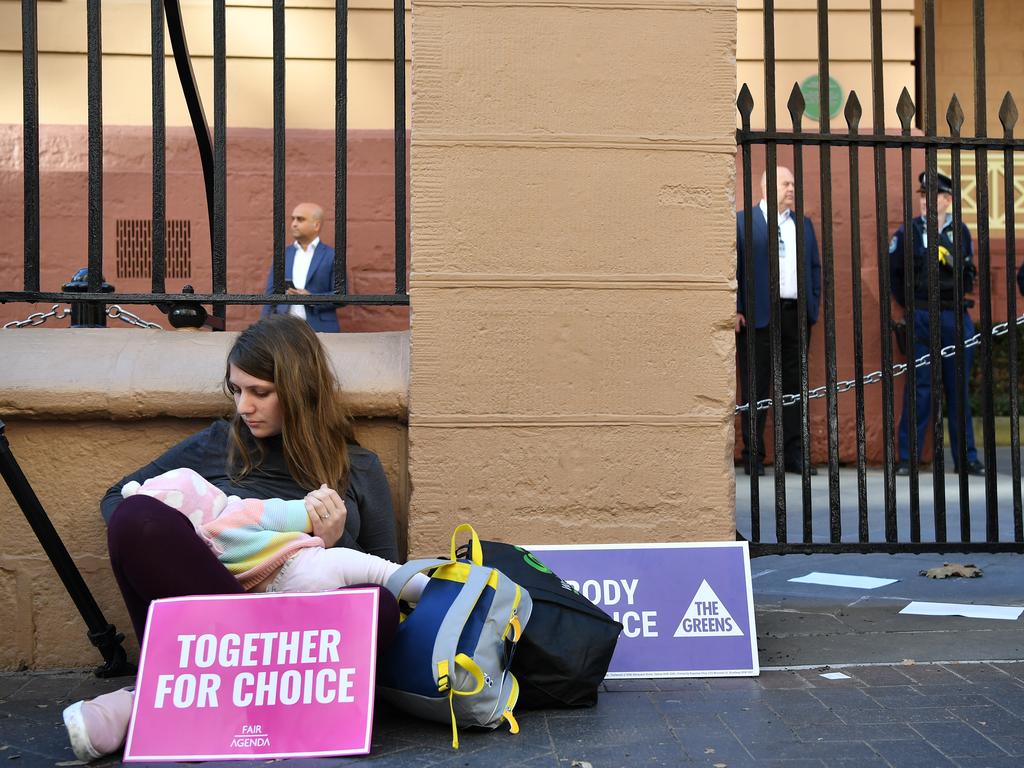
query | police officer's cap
[942, 182]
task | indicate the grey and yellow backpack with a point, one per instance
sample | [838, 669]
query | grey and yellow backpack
[450, 660]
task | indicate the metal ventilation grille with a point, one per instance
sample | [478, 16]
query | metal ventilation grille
[135, 251]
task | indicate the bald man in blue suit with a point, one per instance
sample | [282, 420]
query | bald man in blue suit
[309, 267]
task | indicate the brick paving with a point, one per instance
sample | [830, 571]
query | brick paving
[968, 715]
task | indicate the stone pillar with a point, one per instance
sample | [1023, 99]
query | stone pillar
[573, 271]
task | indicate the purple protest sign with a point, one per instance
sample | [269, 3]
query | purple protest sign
[259, 675]
[687, 610]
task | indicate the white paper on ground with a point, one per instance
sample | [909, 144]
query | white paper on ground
[835, 676]
[843, 580]
[1008, 613]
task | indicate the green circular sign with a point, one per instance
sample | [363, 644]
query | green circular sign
[809, 88]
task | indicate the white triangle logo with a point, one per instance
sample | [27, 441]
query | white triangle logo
[707, 616]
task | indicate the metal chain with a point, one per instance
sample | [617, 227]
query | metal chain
[38, 318]
[114, 311]
[999, 329]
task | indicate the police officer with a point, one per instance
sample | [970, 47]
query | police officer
[948, 263]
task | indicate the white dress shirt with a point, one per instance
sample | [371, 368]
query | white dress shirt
[943, 225]
[300, 272]
[788, 284]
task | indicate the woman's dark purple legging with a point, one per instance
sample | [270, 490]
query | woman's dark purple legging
[155, 553]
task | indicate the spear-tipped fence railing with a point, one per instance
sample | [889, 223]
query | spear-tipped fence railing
[898, 526]
[212, 147]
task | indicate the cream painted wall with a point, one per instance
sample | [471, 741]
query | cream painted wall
[796, 53]
[573, 271]
[954, 62]
[309, 70]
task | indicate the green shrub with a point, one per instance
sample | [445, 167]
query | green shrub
[1001, 381]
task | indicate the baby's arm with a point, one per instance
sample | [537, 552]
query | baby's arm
[292, 516]
[275, 514]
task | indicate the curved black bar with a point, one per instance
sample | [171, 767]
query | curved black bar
[102, 634]
[187, 78]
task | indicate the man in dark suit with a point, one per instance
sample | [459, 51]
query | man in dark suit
[308, 270]
[949, 263]
[790, 320]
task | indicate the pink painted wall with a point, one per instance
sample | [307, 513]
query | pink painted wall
[127, 194]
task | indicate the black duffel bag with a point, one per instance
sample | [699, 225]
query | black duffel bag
[568, 643]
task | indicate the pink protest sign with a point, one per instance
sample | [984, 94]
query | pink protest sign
[260, 675]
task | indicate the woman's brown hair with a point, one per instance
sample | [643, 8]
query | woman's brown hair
[316, 425]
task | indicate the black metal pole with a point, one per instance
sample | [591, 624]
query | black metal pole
[884, 277]
[341, 147]
[279, 146]
[745, 104]
[30, 122]
[775, 307]
[853, 115]
[101, 633]
[932, 225]
[984, 262]
[797, 105]
[828, 288]
[401, 224]
[159, 230]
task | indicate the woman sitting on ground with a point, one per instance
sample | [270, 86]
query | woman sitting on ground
[290, 437]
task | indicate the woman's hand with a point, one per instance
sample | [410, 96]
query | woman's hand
[327, 513]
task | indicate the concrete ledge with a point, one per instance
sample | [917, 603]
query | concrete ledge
[130, 373]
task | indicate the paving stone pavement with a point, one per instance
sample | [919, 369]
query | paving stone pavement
[969, 715]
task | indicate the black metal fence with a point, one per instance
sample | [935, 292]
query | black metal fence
[893, 523]
[213, 154]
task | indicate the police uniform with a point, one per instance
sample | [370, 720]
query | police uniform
[948, 264]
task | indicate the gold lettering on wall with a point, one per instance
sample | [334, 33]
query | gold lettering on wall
[996, 197]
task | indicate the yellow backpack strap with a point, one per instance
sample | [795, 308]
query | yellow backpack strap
[473, 668]
[513, 725]
[445, 683]
[476, 554]
[455, 729]
[513, 699]
[516, 628]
